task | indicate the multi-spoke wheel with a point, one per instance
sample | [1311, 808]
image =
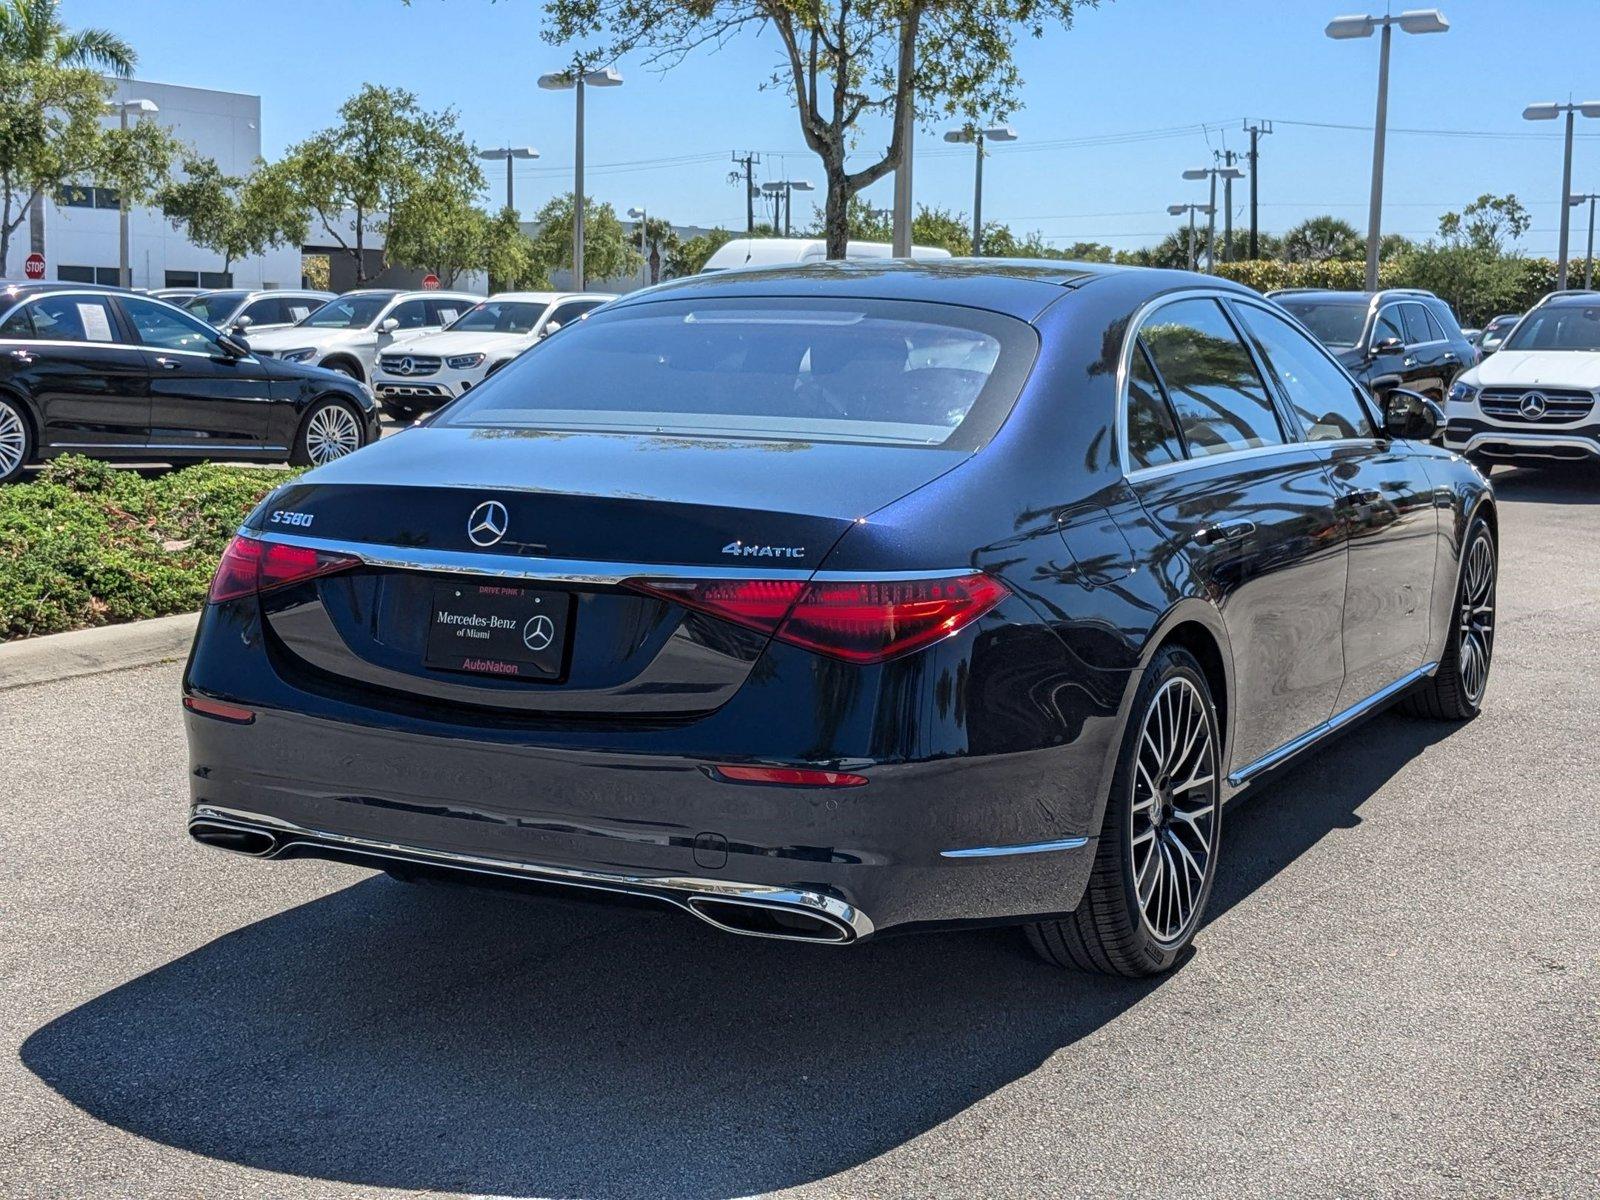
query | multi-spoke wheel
[331, 431]
[1456, 690]
[1157, 852]
[15, 443]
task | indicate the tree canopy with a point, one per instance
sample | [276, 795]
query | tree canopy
[233, 217]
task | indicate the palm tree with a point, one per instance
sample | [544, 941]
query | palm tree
[31, 32]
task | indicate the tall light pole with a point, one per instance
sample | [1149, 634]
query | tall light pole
[561, 81]
[1588, 258]
[782, 194]
[994, 133]
[1178, 210]
[141, 108]
[1549, 112]
[510, 154]
[643, 217]
[1416, 20]
[1214, 173]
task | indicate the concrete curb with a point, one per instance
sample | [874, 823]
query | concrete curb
[91, 651]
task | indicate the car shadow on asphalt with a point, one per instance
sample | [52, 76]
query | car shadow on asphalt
[431, 1039]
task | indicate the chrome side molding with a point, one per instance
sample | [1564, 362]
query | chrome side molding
[1332, 725]
[1072, 843]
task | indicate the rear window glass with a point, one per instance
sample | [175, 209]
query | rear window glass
[1337, 324]
[885, 372]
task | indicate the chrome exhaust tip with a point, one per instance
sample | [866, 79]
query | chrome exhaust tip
[787, 922]
[239, 839]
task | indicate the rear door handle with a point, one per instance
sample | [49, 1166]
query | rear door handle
[1450, 356]
[1226, 531]
[169, 364]
[1358, 497]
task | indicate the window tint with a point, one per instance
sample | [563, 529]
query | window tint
[74, 319]
[445, 310]
[1337, 323]
[413, 314]
[1558, 327]
[167, 328]
[1219, 398]
[266, 312]
[1441, 319]
[1318, 391]
[1416, 320]
[1388, 326]
[19, 324]
[500, 316]
[1152, 435]
[565, 314]
[298, 308]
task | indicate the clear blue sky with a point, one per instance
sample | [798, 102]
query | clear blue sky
[1112, 111]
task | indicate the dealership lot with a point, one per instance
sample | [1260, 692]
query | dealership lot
[1396, 992]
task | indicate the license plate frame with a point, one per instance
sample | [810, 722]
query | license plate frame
[496, 631]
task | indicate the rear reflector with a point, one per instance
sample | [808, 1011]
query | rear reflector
[787, 776]
[249, 566]
[219, 710]
[860, 621]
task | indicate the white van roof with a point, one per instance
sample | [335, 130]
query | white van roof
[772, 252]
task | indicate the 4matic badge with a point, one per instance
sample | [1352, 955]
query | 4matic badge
[744, 550]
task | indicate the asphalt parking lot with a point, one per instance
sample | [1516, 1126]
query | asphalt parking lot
[1396, 993]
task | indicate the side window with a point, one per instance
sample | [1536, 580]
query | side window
[265, 312]
[566, 313]
[1318, 391]
[1388, 326]
[74, 319]
[445, 310]
[1219, 398]
[19, 324]
[1416, 319]
[298, 308]
[1152, 433]
[168, 329]
[1438, 327]
[413, 314]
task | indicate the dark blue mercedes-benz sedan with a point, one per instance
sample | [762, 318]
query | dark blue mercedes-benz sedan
[833, 600]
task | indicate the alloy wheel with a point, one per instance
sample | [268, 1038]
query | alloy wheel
[13, 440]
[1476, 627]
[332, 434]
[1174, 810]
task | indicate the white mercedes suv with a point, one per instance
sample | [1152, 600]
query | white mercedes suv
[1535, 398]
[347, 334]
[423, 374]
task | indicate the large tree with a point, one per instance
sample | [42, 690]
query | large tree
[31, 32]
[233, 217]
[607, 249]
[842, 62]
[1486, 225]
[366, 176]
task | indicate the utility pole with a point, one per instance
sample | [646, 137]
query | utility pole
[1226, 158]
[747, 165]
[1256, 132]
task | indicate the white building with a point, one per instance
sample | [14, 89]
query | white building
[79, 235]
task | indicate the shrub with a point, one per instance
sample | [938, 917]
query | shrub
[86, 544]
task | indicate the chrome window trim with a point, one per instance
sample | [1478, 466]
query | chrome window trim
[568, 570]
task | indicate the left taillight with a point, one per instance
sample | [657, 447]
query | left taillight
[250, 566]
[859, 621]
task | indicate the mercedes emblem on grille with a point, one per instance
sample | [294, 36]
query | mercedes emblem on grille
[487, 524]
[1532, 405]
[405, 366]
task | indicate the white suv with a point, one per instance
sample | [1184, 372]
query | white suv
[423, 374]
[347, 334]
[236, 310]
[1535, 398]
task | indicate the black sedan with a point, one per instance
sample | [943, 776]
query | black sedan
[833, 600]
[117, 375]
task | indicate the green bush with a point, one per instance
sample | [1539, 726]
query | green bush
[86, 544]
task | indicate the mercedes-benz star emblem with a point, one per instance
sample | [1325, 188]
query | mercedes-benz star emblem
[488, 523]
[539, 632]
[405, 366]
[1532, 405]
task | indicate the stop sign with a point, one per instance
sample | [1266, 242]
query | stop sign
[428, 281]
[33, 266]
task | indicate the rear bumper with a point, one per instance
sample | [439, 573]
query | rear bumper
[922, 844]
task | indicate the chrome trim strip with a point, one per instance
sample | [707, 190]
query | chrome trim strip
[252, 448]
[1332, 725]
[675, 889]
[568, 570]
[1072, 843]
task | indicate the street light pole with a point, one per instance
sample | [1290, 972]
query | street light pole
[1417, 20]
[977, 137]
[1549, 112]
[124, 271]
[642, 216]
[578, 80]
[510, 154]
[1588, 258]
[1228, 173]
[1177, 210]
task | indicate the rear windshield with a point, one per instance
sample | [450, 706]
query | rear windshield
[882, 372]
[1337, 324]
[1558, 327]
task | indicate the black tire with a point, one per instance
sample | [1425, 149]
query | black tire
[1112, 931]
[307, 442]
[16, 440]
[346, 368]
[1455, 693]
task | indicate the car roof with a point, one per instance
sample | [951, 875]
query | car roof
[22, 288]
[550, 297]
[1572, 297]
[1020, 288]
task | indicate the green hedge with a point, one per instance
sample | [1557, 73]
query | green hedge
[86, 544]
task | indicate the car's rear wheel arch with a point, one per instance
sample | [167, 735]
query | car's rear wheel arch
[29, 418]
[1199, 641]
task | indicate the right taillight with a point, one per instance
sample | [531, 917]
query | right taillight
[860, 621]
[250, 565]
